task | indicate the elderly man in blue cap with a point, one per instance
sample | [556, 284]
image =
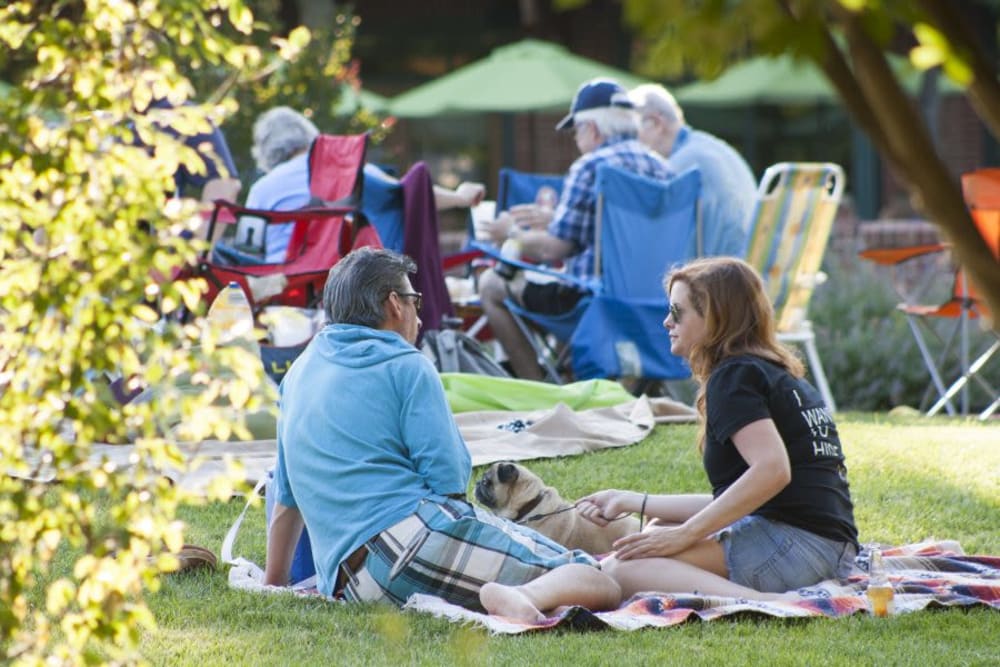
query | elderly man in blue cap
[605, 126]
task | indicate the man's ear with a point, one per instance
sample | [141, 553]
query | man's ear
[393, 308]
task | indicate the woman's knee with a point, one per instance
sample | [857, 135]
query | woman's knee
[619, 570]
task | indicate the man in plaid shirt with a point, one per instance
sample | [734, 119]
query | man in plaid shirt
[605, 127]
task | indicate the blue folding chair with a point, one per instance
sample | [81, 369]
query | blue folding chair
[644, 226]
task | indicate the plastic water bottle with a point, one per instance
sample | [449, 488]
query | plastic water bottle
[880, 593]
[511, 249]
[230, 314]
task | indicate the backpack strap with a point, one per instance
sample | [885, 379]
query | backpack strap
[230, 539]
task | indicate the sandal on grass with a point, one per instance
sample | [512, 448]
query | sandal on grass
[193, 557]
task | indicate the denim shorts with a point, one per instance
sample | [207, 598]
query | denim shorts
[774, 557]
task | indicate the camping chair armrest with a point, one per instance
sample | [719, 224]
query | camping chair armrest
[279, 217]
[893, 256]
[493, 252]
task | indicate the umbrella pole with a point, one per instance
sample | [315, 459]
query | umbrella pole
[507, 129]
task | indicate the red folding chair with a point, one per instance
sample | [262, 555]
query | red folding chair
[325, 230]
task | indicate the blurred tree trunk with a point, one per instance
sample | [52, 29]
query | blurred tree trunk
[872, 94]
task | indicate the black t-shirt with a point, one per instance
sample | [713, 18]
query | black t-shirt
[745, 389]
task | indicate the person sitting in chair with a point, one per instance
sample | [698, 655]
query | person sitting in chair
[728, 187]
[605, 128]
[281, 141]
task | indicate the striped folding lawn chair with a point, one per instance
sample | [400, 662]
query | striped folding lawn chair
[792, 220]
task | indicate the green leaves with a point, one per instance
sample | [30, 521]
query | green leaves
[91, 254]
[934, 50]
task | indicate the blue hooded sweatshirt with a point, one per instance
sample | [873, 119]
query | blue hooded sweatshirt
[364, 434]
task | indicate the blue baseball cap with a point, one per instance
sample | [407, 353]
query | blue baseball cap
[596, 94]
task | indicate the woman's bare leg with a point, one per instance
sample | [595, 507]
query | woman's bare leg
[700, 569]
[572, 584]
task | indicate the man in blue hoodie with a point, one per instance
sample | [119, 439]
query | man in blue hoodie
[372, 462]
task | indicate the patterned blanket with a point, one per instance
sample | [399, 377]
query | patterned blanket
[926, 575]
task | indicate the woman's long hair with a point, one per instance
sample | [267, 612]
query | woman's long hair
[739, 319]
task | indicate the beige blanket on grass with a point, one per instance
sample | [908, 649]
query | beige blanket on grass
[491, 436]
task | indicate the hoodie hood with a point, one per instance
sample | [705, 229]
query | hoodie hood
[360, 347]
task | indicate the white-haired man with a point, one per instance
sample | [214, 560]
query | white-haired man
[605, 127]
[728, 187]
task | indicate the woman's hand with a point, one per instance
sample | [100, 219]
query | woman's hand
[470, 194]
[654, 542]
[604, 507]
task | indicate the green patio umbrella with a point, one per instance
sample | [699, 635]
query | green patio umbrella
[529, 75]
[783, 80]
[769, 100]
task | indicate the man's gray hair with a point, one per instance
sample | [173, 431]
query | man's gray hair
[610, 121]
[654, 98]
[359, 284]
[279, 134]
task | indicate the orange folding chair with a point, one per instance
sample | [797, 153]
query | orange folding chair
[963, 305]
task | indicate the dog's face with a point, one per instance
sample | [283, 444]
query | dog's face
[514, 492]
[506, 487]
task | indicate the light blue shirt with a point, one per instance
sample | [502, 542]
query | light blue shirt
[364, 434]
[728, 190]
[284, 188]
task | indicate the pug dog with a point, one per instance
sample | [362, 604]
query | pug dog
[513, 492]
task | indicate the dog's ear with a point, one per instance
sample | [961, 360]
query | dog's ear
[507, 473]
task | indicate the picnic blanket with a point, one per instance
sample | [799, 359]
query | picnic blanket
[926, 575]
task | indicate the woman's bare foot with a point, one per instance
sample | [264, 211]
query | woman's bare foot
[509, 601]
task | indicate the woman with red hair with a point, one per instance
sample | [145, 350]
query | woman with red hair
[780, 514]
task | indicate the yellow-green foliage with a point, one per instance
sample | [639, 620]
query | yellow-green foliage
[88, 244]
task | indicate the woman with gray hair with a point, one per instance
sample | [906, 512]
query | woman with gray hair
[279, 135]
[281, 141]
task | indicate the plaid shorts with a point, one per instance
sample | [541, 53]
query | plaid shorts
[449, 549]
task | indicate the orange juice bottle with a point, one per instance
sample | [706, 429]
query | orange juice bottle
[880, 593]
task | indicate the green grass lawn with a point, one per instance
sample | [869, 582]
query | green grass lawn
[911, 479]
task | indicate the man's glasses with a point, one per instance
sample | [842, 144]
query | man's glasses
[418, 298]
[676, 312]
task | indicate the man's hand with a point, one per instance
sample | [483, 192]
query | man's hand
[531, 215]
[499, 229]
